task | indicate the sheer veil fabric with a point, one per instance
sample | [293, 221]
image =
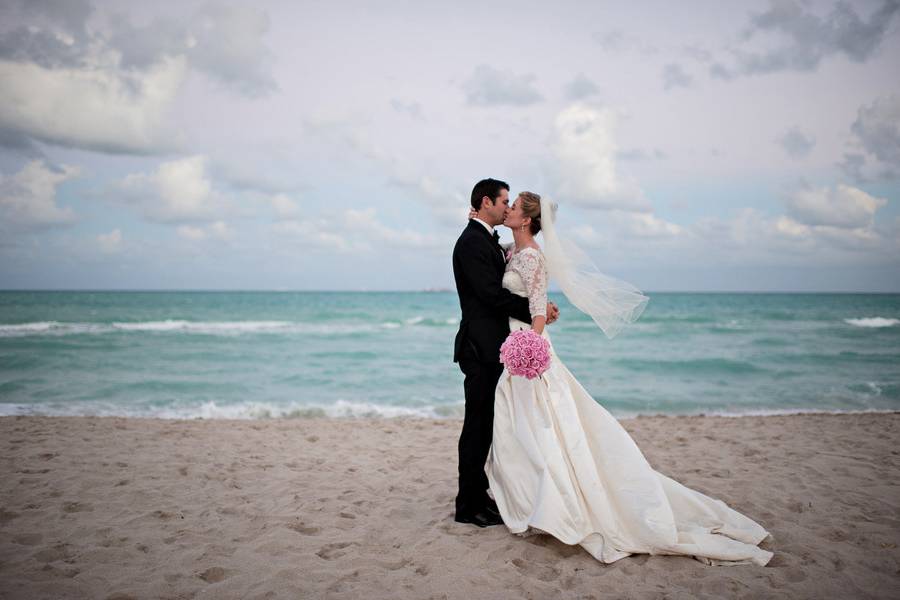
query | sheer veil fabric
[561, 464]
[610, 302]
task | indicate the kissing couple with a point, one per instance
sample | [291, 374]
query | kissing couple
[555, 461]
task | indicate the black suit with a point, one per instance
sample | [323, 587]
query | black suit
[478, 267]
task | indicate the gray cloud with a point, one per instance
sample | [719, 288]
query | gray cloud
[616, 40]
[580, 88]
[229, 47]
[853, 164]
[674, 76]
[796, 143]
[28, 198]
[67, 81]
[877, 127]
[42, 47]
[144, 45]
[611, 40]
[843, 206]
[224, 42]
[49, 33]
[809, 38]
[491, 87]
[72, 15]
[698, 53]
[413, 109]
[876, 134]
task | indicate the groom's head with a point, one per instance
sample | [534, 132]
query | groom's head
[490, 197]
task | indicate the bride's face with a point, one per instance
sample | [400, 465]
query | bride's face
[515, 218]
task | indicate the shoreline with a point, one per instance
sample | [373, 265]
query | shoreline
[320, 413]
[236, 508]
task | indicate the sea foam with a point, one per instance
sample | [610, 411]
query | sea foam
[873, 322]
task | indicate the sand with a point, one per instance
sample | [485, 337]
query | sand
[104, 507]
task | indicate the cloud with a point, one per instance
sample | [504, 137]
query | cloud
[584, 155]
[223, 41]
[179, 191]
[853, 164]
[449, 207]
[807, 38]
[55, 34]
[874, 151]
[68, 84]
[218, 230]
[91, 109]
[284, 206]
[364, 222]
[877, 127]
[796, 143]
[226, 42]
[616, 40]
[412, 109]
[110, 243]
[674, 76]
[354, 231]
[580, 88]
[753, 238]
[843, 206]
[645, 225]
[611, 40]
[28, 198]
[318, 234]
[491, 87]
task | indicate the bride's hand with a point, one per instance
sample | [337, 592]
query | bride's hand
[472, 213]
[552, 312]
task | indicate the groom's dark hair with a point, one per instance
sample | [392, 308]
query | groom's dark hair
[487, 187]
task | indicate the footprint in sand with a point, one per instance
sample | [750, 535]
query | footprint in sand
[332, 551]
[213, 575]
[75, 507]
[301, 527]
[6, 516]
[536, 570]
[28, 539]
[56, 552]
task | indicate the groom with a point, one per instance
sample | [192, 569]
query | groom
[478, 266]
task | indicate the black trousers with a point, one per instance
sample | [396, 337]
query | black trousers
[477, 433]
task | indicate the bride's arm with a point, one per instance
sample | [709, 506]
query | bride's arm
[534, 274]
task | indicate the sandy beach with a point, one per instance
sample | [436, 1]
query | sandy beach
[104, 507]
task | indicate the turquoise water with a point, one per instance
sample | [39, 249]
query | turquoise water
[283, 354]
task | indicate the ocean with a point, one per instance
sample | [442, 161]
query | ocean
[338, 354]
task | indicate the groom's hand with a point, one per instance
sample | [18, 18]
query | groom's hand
[552, 312]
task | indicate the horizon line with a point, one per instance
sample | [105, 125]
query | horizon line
[417, 290]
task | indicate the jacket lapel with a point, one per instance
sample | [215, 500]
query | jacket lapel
[498, 250]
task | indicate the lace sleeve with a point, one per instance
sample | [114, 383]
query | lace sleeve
[534, 274]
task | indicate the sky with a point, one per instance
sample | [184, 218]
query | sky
[691, 146]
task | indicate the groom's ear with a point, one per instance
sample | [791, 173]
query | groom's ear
[486, 199]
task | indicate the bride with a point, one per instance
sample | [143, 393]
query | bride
[559, 462]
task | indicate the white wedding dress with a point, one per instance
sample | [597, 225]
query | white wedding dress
[561, 464]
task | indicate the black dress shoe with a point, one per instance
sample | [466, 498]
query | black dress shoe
[482, 518]
[492, 508]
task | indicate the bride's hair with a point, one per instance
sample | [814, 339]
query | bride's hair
[531, 207]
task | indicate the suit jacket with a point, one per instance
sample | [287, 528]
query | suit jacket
[478, 266]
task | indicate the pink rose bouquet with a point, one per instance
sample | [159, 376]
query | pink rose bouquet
[525, 353]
